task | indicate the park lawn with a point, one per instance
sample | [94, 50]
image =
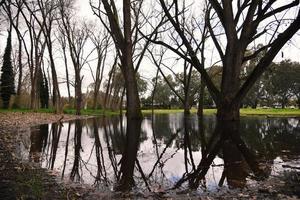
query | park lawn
[270, 112]
[92, 112]
[287, 112]
[170, 111]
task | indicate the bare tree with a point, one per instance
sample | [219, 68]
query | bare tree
[77, 36]
[167, 36]
[34, 50]
[108, 86]
[44, 12]
[122, 37]
[63, 43]
[240, 33]
[101, 42]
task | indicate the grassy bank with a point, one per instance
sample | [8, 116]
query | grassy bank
[271, 112]
[244, 112]
[287, 112]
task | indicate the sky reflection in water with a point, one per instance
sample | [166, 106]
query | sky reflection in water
[170, 150]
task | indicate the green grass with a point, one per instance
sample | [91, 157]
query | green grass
[170, 111]
[29, 186]
[271, 112]
[26, 110]
[244, 112]
[92, 112]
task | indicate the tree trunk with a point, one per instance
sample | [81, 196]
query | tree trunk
[227, 112]
[187, 106]
[67, 75]
[78, 94]
[56, 93]
[201, 100]
[132, 98]
[33, 95]
[133, 101]
[108, 87]
[19, 87]
[95, 98]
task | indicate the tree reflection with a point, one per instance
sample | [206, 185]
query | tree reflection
[129, 156]
[113, 142]
[236, 155]
[55, 133]
[75, 175]
[188, 155]
[101, 170]
[116, 149]
[38, 140]
[66, 150]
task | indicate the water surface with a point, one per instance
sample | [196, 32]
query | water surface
[169, 151]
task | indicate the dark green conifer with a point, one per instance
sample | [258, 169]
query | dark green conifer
[7, 85]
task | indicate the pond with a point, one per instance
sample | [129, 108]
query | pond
[165, 152]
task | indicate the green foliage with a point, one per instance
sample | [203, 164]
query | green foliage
[7, 85]
[163, 94]
[277, 86]
[142, 84]
[194, 86]
[91, 112]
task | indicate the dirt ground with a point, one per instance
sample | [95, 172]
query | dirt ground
[20, 180]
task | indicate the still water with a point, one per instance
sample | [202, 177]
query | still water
[172, 151]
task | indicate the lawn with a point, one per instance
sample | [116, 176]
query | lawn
[244, 111]
[287, 112]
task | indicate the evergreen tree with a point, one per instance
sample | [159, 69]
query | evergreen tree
[43, 90]
[7, 85]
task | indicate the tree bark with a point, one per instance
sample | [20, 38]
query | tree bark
[67, 74]
[78, 93]
[133, 101]
[201, 100]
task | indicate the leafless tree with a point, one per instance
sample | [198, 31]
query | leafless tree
[34, 50]
[167, 36]
[77, 35]
[101, 42]
[122, 37]
[127, 41]
[242, 23]
[45, 14]
[61, 38]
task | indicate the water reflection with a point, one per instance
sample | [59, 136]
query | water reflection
[38, 139]
[165, 151]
